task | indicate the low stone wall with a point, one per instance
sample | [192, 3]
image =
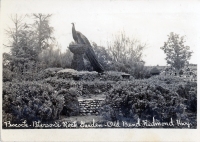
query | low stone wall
[90, 106]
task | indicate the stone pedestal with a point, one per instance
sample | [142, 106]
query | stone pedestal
[78, 50]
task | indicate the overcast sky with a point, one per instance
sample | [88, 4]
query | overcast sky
[148, 21]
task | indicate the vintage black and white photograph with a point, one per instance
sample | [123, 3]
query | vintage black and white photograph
[92, 65]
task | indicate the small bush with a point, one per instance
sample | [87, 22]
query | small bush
[155, 71]
[189, 93]
[71, 105]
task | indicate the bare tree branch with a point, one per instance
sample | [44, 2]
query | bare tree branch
[7, 45]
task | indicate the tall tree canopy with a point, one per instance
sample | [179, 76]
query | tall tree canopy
[43, 30]
[177, 54]
[27, 41]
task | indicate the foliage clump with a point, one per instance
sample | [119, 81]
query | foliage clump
[34, 101]
[155, 71]
[71, 104]
[150, 98]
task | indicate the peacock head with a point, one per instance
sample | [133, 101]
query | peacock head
[72, 24]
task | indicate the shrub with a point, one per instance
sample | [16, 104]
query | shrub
[155, 71]
[54, 58]
[139, 71]
[71, 105]
[189, 92]
[33, 101]
[150, 98]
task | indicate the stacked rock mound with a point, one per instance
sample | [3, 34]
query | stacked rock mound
[91, 76]
[91, 87]
[84, 81]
